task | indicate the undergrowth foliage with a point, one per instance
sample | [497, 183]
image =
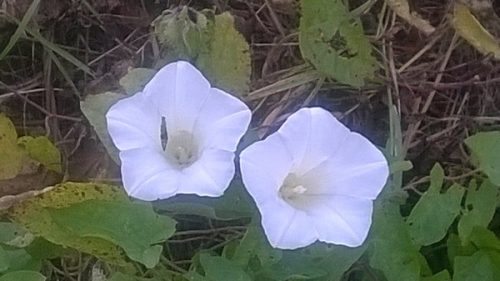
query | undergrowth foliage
[418, 81]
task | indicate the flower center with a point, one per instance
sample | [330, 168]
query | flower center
[292, 191]
[181, 149]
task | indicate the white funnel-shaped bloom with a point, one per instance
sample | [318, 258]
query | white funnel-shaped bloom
[314, 179]
[203, 128]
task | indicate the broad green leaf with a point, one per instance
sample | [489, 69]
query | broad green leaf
[434, 213]
[469, 28]
[194, 276]
[42, 150]
[135, 227]
[35, 216]
[218, 268]
[4, 260]
[455, 247]
[226, 60]
[15, 235]
[483, 238]
[393, 251]
[485, 147]
[480, 206]
[440, 276]
[135, 80]
[23, 275]
[319, 262]
[95, 107]
[42, 249]
[18, 259]
[235, 204]
[11, 156]
[483, 265]
[293, 267]
[254, 244]
[333, 41]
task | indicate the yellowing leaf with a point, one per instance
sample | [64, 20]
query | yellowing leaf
[34, 215]
[42, 150]
[97, 219]
[402, 9]
[333, 41]
[11, 156]
[226, 60]
[135, 227]
[469, 28]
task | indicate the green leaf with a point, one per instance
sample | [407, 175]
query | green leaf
[14, 235]
[454, 248]
[35, 216]
[483, 238]
[235, 204]
[221, 269]
[483, 265]
[18, 259]
[393, 251]
[226, 60]
[434, 213]
[23, 275]
[469, 28]
[254, 244]
[4, 260]
[440, 276]
[319, 262]
[135, 80]
[42, 150]
[480, 206]
[486, 147]
[95, 107]
[194, 276]
[333, 41]
[11, 156]
[135, 227]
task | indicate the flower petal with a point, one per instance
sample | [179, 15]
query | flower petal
[133, 124]
[222, 121]
[179, 90]
[147, 175]
[286, 227]
[341, 220]
[264, 166]
[312, 135]
[210, 175]
[359, 169]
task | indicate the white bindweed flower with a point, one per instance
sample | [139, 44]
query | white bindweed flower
[314, 179]
[203, 128]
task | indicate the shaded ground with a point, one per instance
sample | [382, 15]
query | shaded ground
[444, 90]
